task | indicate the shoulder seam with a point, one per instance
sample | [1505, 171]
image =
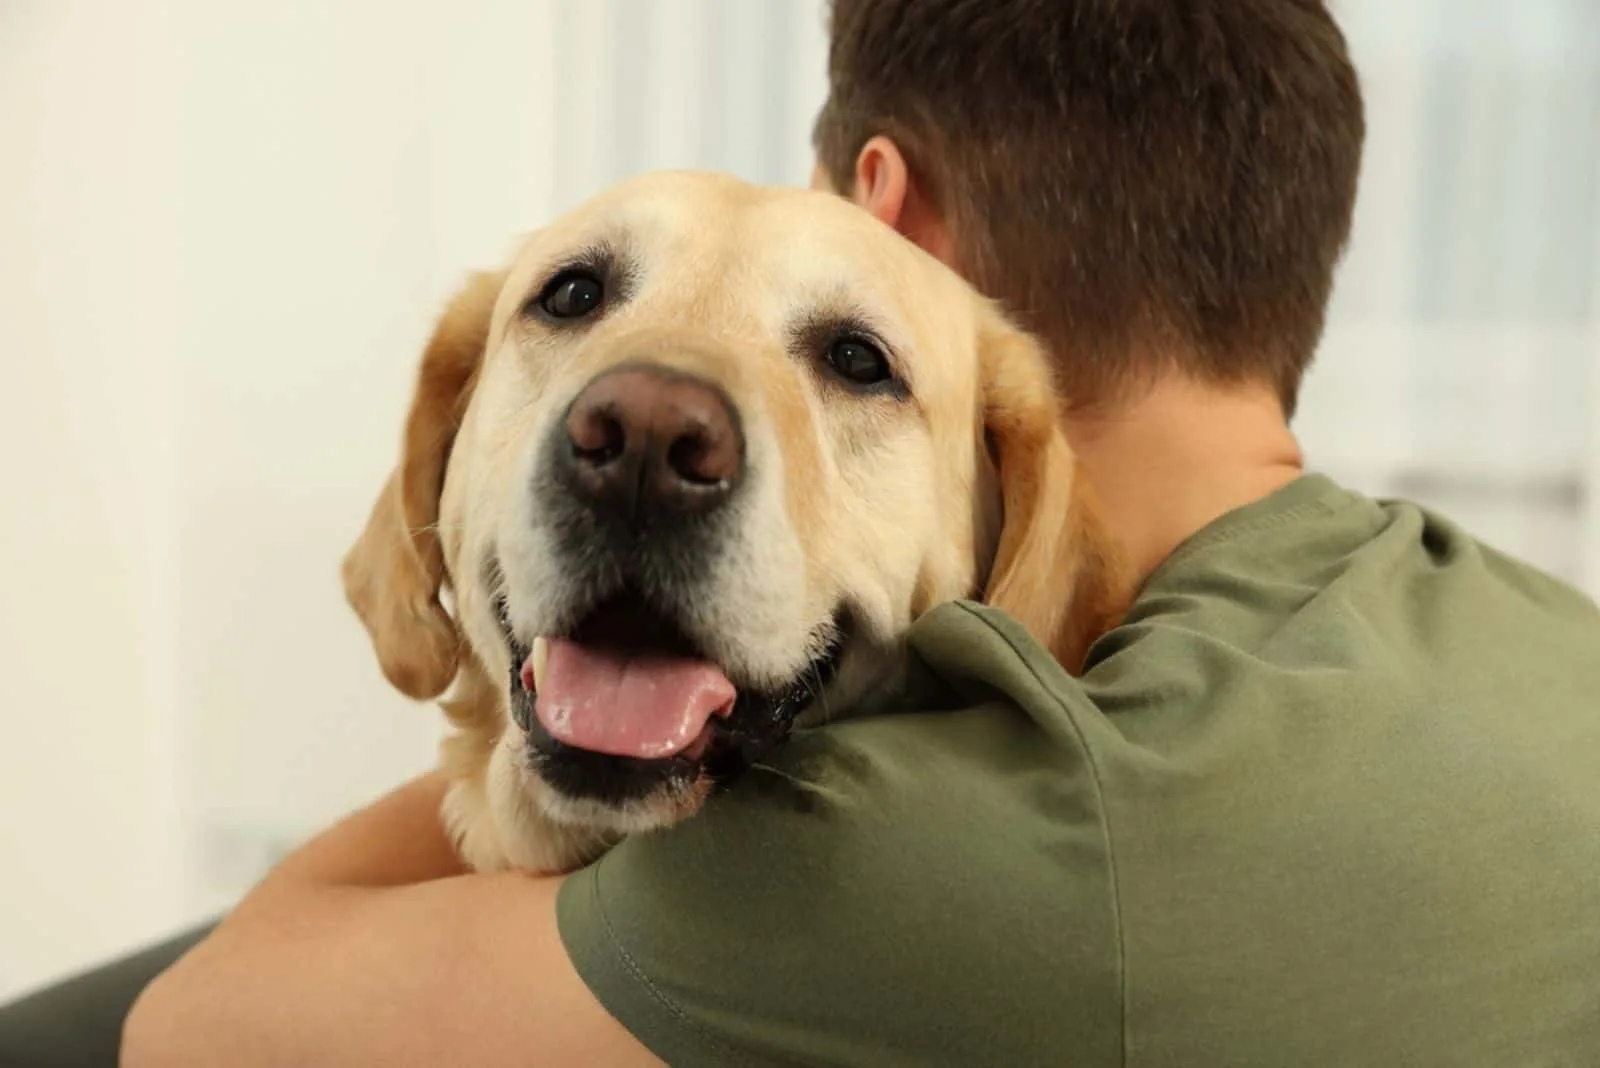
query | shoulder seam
[643, 979]
[1105, 822]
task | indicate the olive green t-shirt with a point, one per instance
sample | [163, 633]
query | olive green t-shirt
[1329, 796]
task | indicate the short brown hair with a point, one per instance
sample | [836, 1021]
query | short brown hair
[1121, 174]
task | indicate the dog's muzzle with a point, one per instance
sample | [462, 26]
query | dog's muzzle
[638, 491]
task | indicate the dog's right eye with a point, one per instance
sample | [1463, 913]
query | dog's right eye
[858, 362]
[571, 295]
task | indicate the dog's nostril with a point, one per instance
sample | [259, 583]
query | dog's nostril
[597, 435]
[703, 456]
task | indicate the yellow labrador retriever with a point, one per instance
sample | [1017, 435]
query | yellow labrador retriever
[682, 475]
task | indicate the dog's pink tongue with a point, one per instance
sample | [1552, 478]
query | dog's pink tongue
[648, 707]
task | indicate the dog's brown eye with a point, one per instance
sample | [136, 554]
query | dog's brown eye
[859, 362]
[572, 295]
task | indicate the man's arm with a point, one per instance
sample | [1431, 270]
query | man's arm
[371, 945]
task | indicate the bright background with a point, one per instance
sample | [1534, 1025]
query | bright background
[224, 230]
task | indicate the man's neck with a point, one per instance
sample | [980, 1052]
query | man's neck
[1178, 457]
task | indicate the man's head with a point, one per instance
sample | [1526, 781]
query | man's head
[1149, 185]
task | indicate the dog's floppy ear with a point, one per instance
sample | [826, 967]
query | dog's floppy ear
[1056, 571]
[395, 571]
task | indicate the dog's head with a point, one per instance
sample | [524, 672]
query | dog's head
[692, 464]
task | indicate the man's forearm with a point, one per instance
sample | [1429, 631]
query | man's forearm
[397, 840]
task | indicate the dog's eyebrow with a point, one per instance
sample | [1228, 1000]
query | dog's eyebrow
[595, 255]
[819, 327]
[601, 257]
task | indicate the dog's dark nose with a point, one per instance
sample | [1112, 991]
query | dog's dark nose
[650, 438]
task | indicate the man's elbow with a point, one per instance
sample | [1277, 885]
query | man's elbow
[167, 1024]
[146, 1030]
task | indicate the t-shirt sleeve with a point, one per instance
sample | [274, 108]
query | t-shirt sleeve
[697, 940]
[763, 931]
[908, 889]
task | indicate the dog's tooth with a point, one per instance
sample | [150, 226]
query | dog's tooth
[539, 653]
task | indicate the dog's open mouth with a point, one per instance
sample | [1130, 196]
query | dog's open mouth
[628, 688]
[626, 683]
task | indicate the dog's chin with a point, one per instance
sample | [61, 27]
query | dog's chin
[627, 795]
[577, 788]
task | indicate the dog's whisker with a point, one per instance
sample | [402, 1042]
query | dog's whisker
[436, 528]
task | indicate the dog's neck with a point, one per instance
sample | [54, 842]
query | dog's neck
[1180, 455]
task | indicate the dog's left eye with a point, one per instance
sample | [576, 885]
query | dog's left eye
[859, 362]
[571, 295]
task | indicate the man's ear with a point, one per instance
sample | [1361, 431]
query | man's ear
[395, 571]
[882, 180]
[1057, 571]
[886, 188]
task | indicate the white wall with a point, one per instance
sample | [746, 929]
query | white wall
[224, 228]
[89, 281]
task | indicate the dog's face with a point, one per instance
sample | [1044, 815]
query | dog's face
[690, 467]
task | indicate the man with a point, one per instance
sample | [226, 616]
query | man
[1327, 797]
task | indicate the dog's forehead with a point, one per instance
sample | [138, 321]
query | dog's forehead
[785, 246]
[819, 245]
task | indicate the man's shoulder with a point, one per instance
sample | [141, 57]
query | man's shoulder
[1336, 749]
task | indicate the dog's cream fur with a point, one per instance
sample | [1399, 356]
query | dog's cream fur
[965, 488]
